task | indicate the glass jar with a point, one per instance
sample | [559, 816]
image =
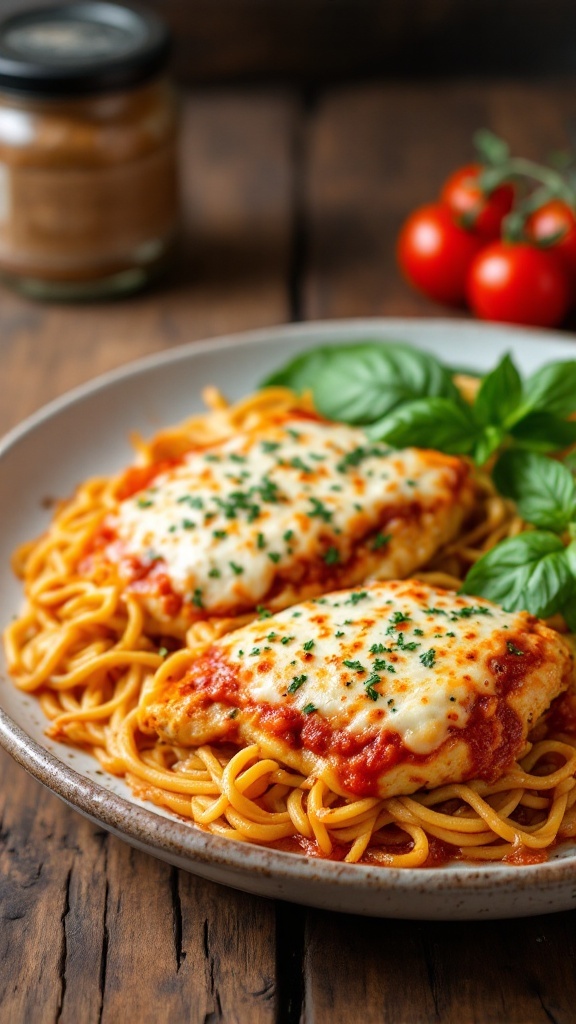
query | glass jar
[88, 130]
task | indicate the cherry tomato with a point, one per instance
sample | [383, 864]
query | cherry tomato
[435, 254]
[465, 199]
[520, 284]
[548, 221]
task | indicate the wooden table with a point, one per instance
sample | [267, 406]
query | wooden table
[292, 205]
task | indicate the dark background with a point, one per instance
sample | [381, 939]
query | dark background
[312, 42]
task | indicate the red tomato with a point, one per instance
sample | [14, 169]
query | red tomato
[547, 222]
[519, 284]
[464, 197]
[435, 254]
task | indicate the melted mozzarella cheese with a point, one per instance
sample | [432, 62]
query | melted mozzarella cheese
[382, 690]
[224, 523]
[367, 657]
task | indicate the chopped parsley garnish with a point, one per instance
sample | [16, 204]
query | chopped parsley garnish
[428, 658]
[254, 652]
[188, 524]
[339, 633]
[192, 500]
[356, 456]
[263, 613]
[237, 458]
[469, 611]
[293, 433]
[357, 596]
[274, 556]
[288, 535]
[286, 639]
[298, 463]
[403, 646]
[296, 683]
[378, 649]
[379, 665]
[356, 665]
[260, 541]
[236, 569]
[219, 534]
[270, 446]
[398, 617]
[308, 645]
[418, 632]
[434, 611]
[450, 634]
[319, 510]
[211, 458]
[332, 556]
[513, 649]
[308, 709]
[215, 573]
[267, 490]
[372, 693]
[197, 598]
[144, 502]
[380, 540]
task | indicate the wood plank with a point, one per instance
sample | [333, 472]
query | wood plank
[91, 929]
[411, 972]
[375, 154]
[230, 273]
[372, 155]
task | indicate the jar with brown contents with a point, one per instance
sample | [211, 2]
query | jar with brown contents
[88, 191]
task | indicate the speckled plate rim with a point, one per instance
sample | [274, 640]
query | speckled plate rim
[257, 869]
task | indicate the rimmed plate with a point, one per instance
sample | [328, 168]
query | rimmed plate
[86, 433]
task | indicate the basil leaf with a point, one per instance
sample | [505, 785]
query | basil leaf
[544, 490]
[530, 572]
[429, 423]
[552, 389]
[363, 382]
[544, 432]
[490, 439]
[499, 395]
[300, 373]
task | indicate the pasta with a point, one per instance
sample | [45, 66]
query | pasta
[89, 644]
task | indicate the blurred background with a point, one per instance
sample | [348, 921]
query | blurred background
[309, 129]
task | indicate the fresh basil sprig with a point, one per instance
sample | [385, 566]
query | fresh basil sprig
[406, 397]
[363, 382]
[544, 490]
[536, 570]
[532, 572]
[529, 414]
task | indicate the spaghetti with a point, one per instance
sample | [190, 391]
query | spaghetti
[88, 645]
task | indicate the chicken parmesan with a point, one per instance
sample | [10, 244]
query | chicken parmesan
[379, 691]
[272, 515]
[209, 625]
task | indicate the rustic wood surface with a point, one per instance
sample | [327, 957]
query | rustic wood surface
[291, 208]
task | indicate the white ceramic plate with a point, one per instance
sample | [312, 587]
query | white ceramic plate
[86, 433]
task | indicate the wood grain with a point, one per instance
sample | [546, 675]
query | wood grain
[291, 209]
[372, 154]
[91, 929]
[375, 153]
[230, 273]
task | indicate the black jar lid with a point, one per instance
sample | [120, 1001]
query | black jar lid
[68, 49]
